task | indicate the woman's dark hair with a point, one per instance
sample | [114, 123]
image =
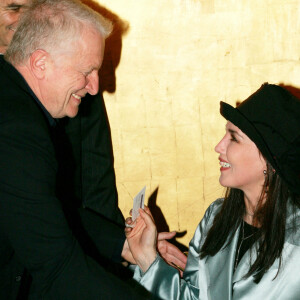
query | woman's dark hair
[270, 214]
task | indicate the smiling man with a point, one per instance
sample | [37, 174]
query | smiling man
[51, 246]
[76, 65]
[53, 61]
[88, 134]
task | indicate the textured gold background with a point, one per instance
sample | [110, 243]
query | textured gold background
[176, 61]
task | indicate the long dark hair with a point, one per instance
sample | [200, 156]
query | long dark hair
[270, 214]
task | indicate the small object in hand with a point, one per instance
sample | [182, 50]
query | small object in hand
[138, 202]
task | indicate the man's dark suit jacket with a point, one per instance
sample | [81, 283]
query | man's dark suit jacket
[40, 229]
[94, 176]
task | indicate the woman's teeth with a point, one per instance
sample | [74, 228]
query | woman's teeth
[225, 164]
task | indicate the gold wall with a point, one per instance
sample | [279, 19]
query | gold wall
[176, 61]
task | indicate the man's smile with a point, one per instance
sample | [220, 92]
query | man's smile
[76, 96]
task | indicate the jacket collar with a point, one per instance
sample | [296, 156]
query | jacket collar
[19, 80]
[220, 267]
[291, 236]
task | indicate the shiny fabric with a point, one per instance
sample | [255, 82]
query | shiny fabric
[213, 278]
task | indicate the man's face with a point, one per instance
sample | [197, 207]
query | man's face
[10, 11]
[73, 74]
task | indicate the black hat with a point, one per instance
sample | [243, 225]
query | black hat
[271, 119]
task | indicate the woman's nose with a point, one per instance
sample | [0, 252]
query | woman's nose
[220, 147]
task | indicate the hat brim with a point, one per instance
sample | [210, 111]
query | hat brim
[238, 119]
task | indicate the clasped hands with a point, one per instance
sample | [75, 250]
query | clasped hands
[142, 243]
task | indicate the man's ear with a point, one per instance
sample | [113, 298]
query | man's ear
[39, 63]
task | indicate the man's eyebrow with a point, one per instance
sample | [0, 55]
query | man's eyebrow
[13, 5]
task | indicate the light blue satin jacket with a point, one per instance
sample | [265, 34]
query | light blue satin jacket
[213, 278]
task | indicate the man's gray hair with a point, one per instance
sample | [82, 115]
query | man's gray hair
[51, 25]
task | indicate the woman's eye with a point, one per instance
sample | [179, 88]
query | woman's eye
[233, 138]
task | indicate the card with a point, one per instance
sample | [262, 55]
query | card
[138, 202]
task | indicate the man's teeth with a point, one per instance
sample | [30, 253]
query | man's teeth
[225, 164]
[76, 96]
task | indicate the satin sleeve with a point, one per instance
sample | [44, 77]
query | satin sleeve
[165, 282]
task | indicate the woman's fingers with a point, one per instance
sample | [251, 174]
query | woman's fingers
[129, 225]
[128, 220]
[166, 235]
[147, 217]
[147, 210]
[136, 228]
[127, 230]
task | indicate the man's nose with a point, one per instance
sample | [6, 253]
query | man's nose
[92, 86]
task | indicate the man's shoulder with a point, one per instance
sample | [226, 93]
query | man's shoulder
[9, 82]
[26, 143]
[18, 105]
[17, 99]
[15, 96]
[20, 115]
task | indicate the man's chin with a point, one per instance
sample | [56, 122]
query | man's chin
[72, 112]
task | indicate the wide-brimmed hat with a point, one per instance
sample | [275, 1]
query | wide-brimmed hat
[271, 119]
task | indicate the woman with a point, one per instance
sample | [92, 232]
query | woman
[247, 246]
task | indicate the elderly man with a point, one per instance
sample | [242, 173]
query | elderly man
[93, 180]
[55, 56]
[89, 167]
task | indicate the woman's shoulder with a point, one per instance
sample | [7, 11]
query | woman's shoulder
[205, 224]
[214, 208]
[292, 228]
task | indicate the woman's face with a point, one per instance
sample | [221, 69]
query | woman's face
[242, 165]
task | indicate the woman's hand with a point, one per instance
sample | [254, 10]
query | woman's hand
[170, 253]
[142, 239]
